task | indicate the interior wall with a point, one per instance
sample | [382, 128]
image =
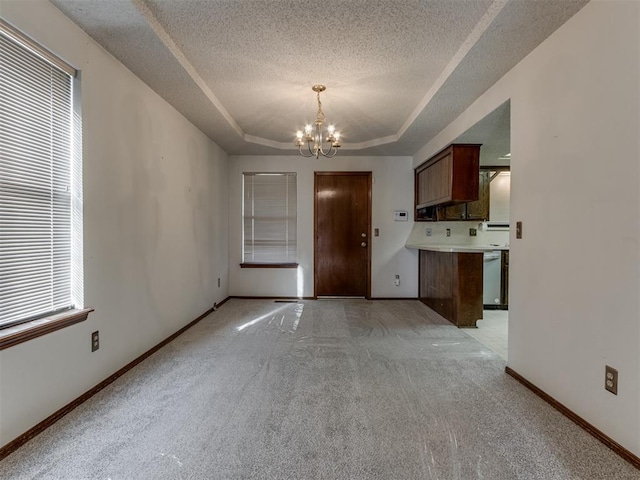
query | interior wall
[155, 229]
[574, 276]
[392, 189]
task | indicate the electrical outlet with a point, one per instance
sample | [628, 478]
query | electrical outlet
[95, 341]
[397, 280]
[473, 232]
[611, 379]
[429, 231]
[218, 283]
[448, 232]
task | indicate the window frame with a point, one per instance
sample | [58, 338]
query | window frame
[17, 331]
[246, 264]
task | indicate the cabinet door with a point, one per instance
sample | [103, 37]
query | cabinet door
[454, 212]
[479, 210]
[434, 183]
[422, 191]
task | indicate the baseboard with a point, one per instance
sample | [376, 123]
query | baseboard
[50, 420]
[495, 307]
[218, 305]
[581, 422]
[269, 298]
[308, 298]
[393, 298]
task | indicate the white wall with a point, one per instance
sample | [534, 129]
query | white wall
[499, 196]
[575, 183]
[459, 234]
[392, 190]
[155, 238]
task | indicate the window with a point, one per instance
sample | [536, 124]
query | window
[269, 219]
[40, 185]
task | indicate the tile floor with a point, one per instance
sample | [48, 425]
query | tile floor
[492, 331]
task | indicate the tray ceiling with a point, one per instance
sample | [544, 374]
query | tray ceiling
[396, 71]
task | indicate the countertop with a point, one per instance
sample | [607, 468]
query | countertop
[457, 248]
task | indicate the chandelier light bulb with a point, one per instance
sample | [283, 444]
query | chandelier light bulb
[313, 134]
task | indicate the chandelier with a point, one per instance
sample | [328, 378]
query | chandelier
[313, 135]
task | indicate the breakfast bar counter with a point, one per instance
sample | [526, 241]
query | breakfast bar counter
[450, 280]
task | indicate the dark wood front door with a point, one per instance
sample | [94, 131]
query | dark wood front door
[342, 234]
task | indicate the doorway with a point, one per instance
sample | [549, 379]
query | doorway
[494, 133]
[342, 231]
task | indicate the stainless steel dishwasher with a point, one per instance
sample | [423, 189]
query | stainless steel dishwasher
[491, 278]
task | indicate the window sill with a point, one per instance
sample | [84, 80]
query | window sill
[27, 331]
[268, 265]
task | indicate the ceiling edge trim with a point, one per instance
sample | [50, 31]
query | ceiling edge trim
[485, 22]
[376, 142]
[268, 143]
[168, 42]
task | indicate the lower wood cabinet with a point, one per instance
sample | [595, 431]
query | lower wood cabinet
[451, 284]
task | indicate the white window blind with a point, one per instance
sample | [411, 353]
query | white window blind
[269, 218]
[35, 185]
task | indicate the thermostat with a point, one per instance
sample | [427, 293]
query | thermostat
[400, 215]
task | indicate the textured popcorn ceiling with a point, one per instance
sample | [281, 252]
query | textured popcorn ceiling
[397, 71]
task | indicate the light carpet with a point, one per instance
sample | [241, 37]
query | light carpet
[326, 389]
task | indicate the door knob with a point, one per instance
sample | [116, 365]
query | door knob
[363, 235]
[363, 244]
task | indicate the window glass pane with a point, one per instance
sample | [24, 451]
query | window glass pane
[35, 191]
[269, 218]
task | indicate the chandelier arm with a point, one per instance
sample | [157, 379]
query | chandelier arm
[311, 152]
[328, 152]
[335, 150]
[303, 154]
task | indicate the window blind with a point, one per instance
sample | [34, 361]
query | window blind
[270, 212]
[35, 190]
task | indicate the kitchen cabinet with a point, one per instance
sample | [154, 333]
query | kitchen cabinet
[476, 210]
[450, 177]
[451, 284]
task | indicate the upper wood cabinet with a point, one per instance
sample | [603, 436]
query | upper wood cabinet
[447, 178]
[476, 210]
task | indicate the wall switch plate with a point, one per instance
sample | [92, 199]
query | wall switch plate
[95, 341]
[448, 232]
[518, 229]
[218, 283]
[473, 232]
[429, 231]
[376, 232]
[397, 280]
[611, 379]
